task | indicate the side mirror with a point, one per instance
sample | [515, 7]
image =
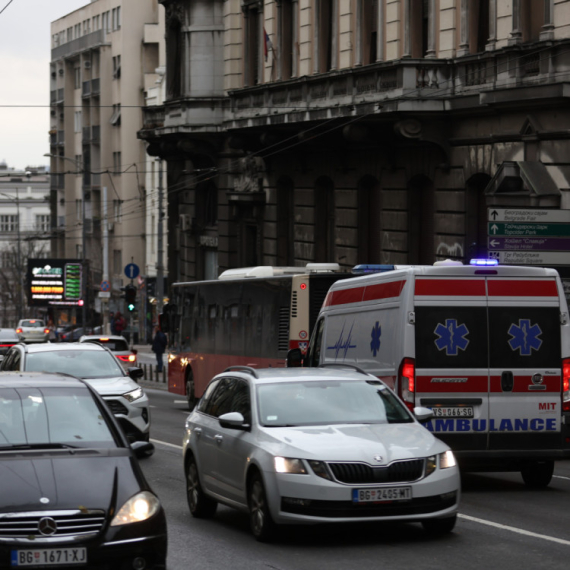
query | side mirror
[135, 373]
[233, 420]
[294, 358]
[423, 415]
[142, 449]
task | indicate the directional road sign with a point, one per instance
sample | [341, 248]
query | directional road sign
[522, 215]
[548, 258]
[503, 229]
[529, 244]
[132, 270]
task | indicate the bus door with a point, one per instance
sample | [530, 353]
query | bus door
[452, 358]
[525, 363]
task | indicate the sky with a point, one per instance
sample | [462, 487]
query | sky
[25, 53]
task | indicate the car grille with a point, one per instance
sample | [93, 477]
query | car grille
[68, 523]
[361, 473]
[116, 407]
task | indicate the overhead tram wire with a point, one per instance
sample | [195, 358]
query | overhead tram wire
[6, 6]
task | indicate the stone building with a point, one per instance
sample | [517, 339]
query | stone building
[356, 131]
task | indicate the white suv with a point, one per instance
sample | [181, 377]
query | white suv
[317, 445]
[32, 330]
[97, 366]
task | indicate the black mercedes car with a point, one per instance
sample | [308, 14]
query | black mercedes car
[72, 493]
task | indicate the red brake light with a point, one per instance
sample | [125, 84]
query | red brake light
[46, 331]
[407, 382]
[566, 384]
[18, 331]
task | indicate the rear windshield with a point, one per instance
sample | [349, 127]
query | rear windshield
[329, 402]
[116, 345]
[35, 324]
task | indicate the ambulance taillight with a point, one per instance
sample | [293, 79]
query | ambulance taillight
[566, 384]
[407, 382]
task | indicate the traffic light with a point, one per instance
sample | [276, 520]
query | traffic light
[131, 297]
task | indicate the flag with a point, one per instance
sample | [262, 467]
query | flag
[267, 45]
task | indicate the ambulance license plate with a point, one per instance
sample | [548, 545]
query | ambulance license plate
[453, 412]
[381, 495]
[40, 557]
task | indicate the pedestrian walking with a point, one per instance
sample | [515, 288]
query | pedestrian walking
[158, 347]
[120, 323]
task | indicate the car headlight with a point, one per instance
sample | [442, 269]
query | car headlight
[320, 469]
[445, 459]
[138, 508]
[134, 395]
[287, 465]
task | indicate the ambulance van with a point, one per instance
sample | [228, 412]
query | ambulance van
[487, 348]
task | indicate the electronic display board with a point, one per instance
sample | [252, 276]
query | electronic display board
[54, 282]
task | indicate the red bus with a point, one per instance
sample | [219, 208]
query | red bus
[249, 316]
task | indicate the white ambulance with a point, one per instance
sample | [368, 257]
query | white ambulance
[487, 348]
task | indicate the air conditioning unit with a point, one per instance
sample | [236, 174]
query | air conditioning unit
[87, 64]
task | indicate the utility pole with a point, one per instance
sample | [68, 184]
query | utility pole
[159, 262]
[20, 268]
[105, 261]
[83, 260]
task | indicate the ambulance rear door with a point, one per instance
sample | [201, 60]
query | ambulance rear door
[525, 362]
[452, 357]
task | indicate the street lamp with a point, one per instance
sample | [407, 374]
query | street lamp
[79, 168]
[17, 200]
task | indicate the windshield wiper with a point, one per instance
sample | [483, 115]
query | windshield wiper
[17, 447]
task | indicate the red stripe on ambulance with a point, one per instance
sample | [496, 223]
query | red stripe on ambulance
[522, 288]
[370, 293]
[450, 287]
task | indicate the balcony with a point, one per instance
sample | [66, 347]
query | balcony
[86, 89]
[53, 96]
[95, 86]
[96, 134]
[153, 117]
[78, 45]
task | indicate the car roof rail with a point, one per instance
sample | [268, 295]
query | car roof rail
[346, 365]
[248, 369]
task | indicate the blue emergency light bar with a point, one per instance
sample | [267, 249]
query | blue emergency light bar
[365, 269]
[484, 262]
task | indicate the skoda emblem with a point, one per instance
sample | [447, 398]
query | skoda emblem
[378, 458]
[537, 379]
[47, 526]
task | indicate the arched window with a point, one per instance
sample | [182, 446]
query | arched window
[476, 216]
[369, 227]
[324, 220]
[285, 221]
[421, 234]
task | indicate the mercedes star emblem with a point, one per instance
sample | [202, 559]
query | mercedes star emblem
[378, 458]
[47, 526]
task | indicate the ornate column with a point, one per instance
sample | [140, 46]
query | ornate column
[334, 34]
[431, 30]
[295, 38]
[464, 29]
[407, 47]
[547, 32]
[516, 34]
[491, 42]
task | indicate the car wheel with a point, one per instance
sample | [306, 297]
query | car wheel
[438, 527]
[190, 395]
[538, 474]
[262, 525]
[200, 505]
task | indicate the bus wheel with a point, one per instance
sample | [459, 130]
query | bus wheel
[190, 396]
[538, 474]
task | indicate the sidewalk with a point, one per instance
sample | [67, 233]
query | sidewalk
[147, 361]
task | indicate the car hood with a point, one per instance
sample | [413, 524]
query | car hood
[112, 386]
[353, 442]
[84, 480]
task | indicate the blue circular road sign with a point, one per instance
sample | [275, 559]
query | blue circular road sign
[105, 286]
[132, 270]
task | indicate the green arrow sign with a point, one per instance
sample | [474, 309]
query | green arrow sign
[502, 229]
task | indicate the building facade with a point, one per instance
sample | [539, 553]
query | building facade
[104, 60]
[357, 131]
[25, 231]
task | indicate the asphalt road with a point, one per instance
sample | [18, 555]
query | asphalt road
[502, 523]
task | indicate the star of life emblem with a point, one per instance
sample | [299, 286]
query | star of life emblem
[525, 337]
[451, 337]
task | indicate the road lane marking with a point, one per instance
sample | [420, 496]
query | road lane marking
[166, 443]
[516, 530]
[180, 401]
[561, 477]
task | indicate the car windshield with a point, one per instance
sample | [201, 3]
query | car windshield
[77, 362]
[35, 324]
[46, 417]
[328, 402]
[116, 345]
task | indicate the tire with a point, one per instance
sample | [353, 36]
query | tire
[200, 505]
[190, 395]
[439, 527]
[262, 525]
[538, 474]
